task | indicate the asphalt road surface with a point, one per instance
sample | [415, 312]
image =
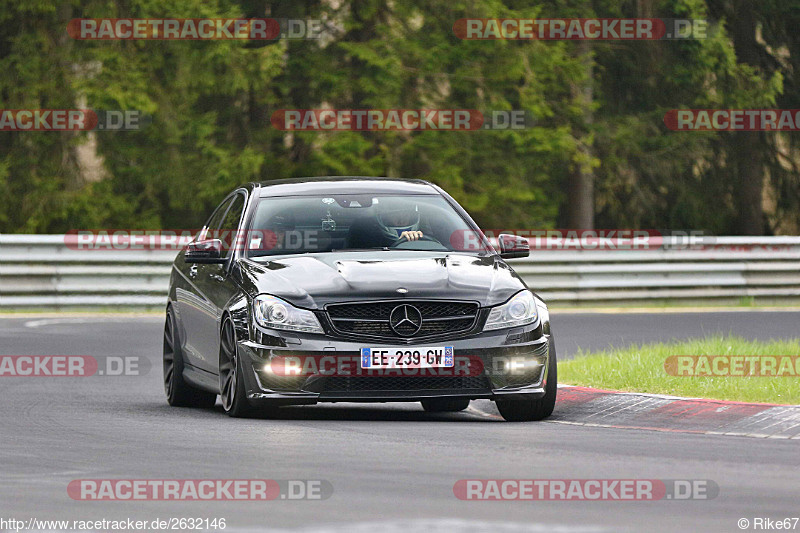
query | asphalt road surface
[392, 466]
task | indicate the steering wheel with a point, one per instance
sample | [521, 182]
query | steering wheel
[425, 238]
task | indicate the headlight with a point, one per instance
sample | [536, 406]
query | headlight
[274, 313]
[518, 311]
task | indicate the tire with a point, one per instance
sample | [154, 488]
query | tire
[541, 408]
[179, 393]
[445, 405]
[232, 389]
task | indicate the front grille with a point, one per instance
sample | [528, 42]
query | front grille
[372, 319]
[403, 383]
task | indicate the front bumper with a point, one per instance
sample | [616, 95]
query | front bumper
[503, 364]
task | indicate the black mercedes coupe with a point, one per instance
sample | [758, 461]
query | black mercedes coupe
[353, 289]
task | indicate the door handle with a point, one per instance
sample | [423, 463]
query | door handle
[193, 271]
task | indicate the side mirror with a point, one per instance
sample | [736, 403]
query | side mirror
[512, 246]
[208, 251]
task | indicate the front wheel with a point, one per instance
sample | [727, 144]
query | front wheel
[231, 382]
[541, 408]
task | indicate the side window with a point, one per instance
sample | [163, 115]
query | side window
[230, 225]
[215, 221]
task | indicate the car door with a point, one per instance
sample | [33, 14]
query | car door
[217, 286]
[193, 305]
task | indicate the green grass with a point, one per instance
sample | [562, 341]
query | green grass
[745, 302]
[641, 369]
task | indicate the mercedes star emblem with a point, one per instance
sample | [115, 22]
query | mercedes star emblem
[405, 320]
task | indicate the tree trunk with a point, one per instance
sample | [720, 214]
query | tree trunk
[747, 146]
[580, 186]
[580, 196]
[751, 182]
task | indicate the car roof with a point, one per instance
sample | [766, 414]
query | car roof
[344, 185]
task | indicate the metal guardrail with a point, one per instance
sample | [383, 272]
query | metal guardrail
[39, 271]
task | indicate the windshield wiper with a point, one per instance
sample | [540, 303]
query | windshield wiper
[259, 256]
[382, 248]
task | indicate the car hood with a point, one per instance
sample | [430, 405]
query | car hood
[313, 280]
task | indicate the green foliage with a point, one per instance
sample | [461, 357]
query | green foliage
[211, 103]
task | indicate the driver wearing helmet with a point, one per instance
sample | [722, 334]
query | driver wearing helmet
[398, 219]
[274, 236]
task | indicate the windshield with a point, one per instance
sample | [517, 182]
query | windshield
[327, 223]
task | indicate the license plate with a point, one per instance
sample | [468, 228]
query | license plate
[407, 357]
